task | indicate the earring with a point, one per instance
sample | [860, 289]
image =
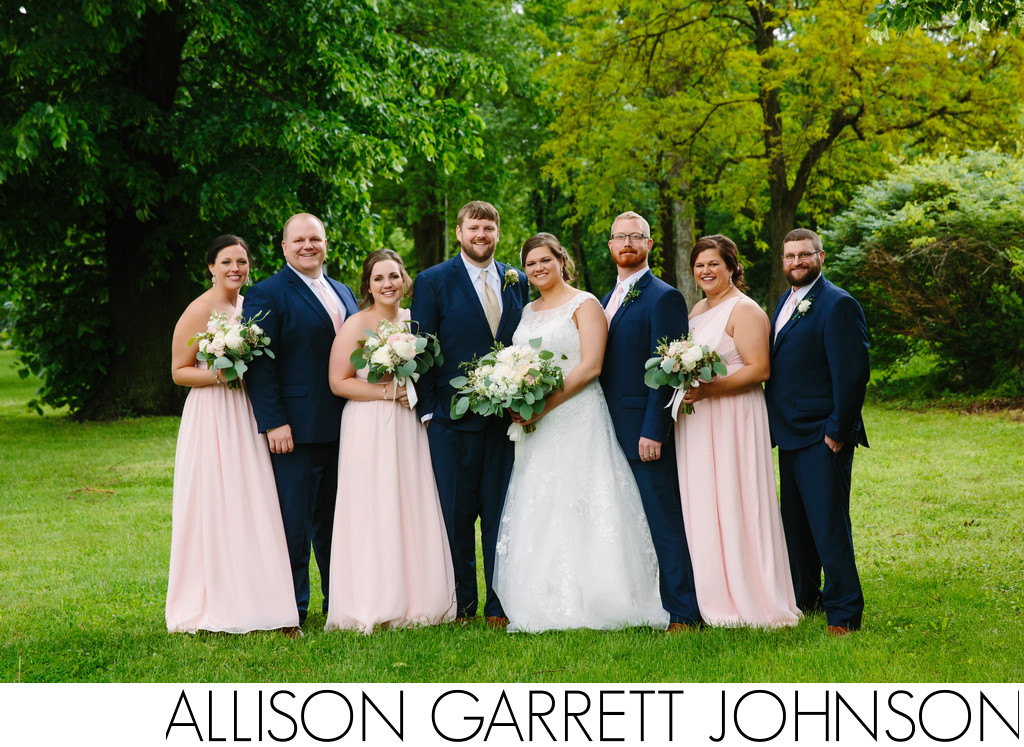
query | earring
[213, 281]
[248, 280]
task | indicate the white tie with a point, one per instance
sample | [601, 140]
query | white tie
[614, 302]
[491, 308]
[786, 313]
[324, 294]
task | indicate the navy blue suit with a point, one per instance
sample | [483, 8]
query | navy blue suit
[820, 370]
[658, 312]
[472, 456]
[293, 389]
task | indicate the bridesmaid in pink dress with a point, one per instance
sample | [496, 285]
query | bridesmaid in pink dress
[229, 568]
[390, 563]
[726, 477]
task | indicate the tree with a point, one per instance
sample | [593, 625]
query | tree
[960, 16]
[766, 112]
[133, 132]
[935, 254]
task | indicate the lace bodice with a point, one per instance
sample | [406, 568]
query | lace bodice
[556, 329]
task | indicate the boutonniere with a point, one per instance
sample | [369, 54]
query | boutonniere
[631, 295]
[511, 278]
[803, 307]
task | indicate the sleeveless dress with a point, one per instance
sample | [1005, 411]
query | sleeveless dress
[730, 509]
[390, 561]
[229, 568]
[574, 548]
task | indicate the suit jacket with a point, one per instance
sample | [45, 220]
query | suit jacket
[293, 387]
[820, 371]
[445, 303]
[657, 313]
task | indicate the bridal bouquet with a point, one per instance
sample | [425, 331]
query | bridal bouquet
[516, 378]
[393, 350]
[230, 347]
[682, 364]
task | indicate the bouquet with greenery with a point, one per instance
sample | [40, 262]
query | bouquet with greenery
[682, 364]
[515, 378]
[393, 350]
[229, 347]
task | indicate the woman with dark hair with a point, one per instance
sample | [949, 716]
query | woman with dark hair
[390, 562]
[574, 547]
[726, 478]
[229, 568]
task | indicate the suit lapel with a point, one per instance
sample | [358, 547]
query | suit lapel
[509, 296]
[642, 282]
[307, 295]
[795, 319]
[468, 287]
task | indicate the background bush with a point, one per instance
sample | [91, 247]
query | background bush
[935, 254]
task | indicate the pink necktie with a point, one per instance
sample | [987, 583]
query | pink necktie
[786, 313]
[329, 303]
[614, 302]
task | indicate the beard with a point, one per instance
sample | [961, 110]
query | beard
[478, 252]
[808, 276]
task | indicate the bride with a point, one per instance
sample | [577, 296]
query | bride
[574, 549]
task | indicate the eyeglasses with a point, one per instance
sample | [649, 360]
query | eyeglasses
[621, 237]
[802, 256]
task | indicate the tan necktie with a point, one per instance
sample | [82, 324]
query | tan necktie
[786, 313]
[325, 296]
[491, 308]
[614, 302]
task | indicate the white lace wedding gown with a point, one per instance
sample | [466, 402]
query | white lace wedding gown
[574, 548]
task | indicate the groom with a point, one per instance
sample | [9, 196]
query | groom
[469, 303]
[641, 310]
[291, 396]
[820, 370]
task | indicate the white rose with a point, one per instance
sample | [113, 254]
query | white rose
[204, 345]
[233, 339]
[801, 308]
[217, 344]
[382, 356]
[256, 330]
[405, 349]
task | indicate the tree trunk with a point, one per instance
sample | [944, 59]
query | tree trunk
[667, 222]
[580, 258]
[145, 297]
[428, 237]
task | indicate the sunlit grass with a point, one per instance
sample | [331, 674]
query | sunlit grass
[938, 510]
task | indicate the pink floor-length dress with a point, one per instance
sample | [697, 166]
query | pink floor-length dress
[229, 568]
[390, 562]
[730, 507]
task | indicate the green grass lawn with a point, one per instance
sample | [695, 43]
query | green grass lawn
[85, 509]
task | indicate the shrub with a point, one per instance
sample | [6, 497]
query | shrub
[935, 254]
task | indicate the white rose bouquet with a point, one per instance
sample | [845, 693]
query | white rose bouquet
[229, 347]
[516, 378]
[392, 350]
[682, 364]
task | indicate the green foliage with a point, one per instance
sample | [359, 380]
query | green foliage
[935, 254]
[133, 132]
[764, 114]
[964, 16]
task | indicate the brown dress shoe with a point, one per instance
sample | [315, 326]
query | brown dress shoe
[497, 622]
[838, 631]
[681, 628]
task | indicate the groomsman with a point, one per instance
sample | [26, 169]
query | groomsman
[469, 302]
[641, 310]
[820, 371]
[291, 396]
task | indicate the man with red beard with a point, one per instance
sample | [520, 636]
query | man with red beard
[469, 302]
[642, 310]
[820, 371]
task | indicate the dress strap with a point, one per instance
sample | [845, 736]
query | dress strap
[577, 301]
